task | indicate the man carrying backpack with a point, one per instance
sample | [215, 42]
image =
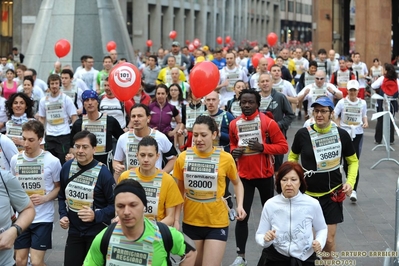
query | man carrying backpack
[135, 239]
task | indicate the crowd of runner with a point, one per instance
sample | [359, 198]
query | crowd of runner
[168, 156]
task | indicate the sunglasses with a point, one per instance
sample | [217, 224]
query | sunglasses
[319, 78]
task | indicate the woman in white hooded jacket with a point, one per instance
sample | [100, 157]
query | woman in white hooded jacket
[287, 222]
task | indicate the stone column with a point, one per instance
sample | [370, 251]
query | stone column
[373, 30]
[155, 25]
[322, 25]
[202, 21]
[167, 20]
[179, 26]
[189, 21]
[139, 25]
[245, 10]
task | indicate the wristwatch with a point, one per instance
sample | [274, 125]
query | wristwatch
[19, 229]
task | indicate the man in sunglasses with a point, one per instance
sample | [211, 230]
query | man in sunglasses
[322, 146]
[318, 88]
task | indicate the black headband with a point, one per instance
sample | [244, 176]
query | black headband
[126, 187]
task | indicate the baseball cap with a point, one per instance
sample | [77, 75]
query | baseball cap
[324, 101]
[353, 84]
[89, 94]
[175, 43]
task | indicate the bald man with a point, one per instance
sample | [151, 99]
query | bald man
[261, 69]
[114, 56]
[57, 68]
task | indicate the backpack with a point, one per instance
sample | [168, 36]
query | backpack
[350, 75]
[163, 229]
[121, 109]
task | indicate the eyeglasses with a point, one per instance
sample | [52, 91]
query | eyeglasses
[323, 112]
[319, 78]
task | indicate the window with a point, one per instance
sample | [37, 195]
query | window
[282, 5]
[290, 6]
[298, 8]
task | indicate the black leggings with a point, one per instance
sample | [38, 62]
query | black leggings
[76, 249]
[265, 187]
[357, 144]
[58, 146]
[378, 127]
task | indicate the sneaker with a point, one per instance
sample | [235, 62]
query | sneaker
[353, 196]
[239, 261]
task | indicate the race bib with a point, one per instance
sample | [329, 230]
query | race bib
[264, 103]
[99, 129]
[236, 109]
[352, 113]
[201, 176]
[152, 191]
[249, 130]
[192, 114]
[327, 149]
[30, 175]
[125, 252]
[232, 78]
[131, 149]
[342, 79]
[80, 191]
[54, 113]
[71, 93]
[316, 92]
[279, 88]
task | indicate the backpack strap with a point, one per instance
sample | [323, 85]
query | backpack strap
[167, 240]
[105, 240]
[163, 229]
[335, 77]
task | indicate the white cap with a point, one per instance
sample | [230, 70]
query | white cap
[352, 84]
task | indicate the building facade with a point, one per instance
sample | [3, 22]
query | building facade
[363, 26]
[296, 20]
[154, 19]
[203, 19]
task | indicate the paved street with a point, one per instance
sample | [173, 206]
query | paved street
[369, 225]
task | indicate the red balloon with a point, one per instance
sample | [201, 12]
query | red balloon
[187, 42]
[255, 59]
[191, 47]
[173, 34]
[219, 40]
[270, 63]
[272, 38]
[196, 43]
[111, 45]
[124, 81]
[62, 48]
[228, 39]
[149, 43]
[204, 71]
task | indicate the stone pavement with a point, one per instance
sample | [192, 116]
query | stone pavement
[369, 225]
